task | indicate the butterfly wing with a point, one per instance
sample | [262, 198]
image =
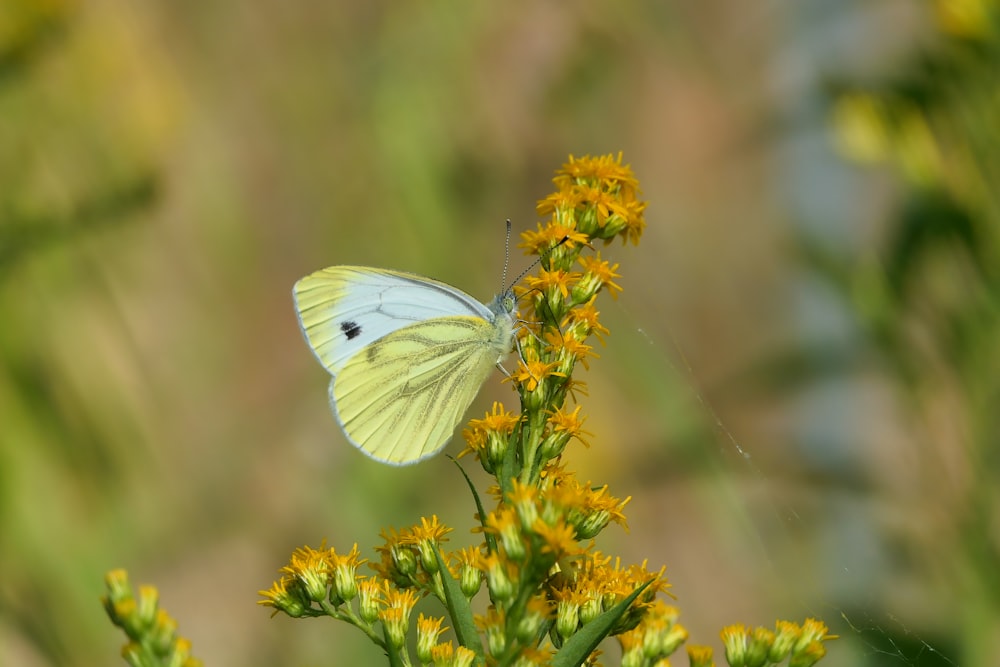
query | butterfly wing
[400, 399]
[408, 355]
[343, 309]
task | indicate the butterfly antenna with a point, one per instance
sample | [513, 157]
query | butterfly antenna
[532, 266]
[506, 256]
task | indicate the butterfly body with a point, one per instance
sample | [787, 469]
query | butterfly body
[408, 354]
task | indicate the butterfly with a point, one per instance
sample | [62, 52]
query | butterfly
[408, 354]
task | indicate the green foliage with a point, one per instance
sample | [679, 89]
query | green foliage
[929, 294]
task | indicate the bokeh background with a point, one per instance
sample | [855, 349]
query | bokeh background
[800, 389]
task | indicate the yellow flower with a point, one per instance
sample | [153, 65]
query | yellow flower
[369, 592]
[312, 569]
[568, 423]
[163, 635]
[735, 639]
[464, 657]
[117, 583]
[700, 656]
[281, 599]
[816, 630]
[395, 614]
[595, 578]
[531, 372]
[524, 499]
[558, 539]
[601, 195]
[635, 221]
[429, 530]
[469, 576]
[487, 438]
[547, 237]
[601, 201]
[344, 569]
[151, 631]
[537, 612]
[571, 349]
[632, 645]
[584, 320]
[809, 648]
[494, 625]
[559, 202]
[399, 563]
[808, 655]
[568, 601]
[443, 655]
[498, 576]
[563, 426]
[574, 386]
[606, 170]
[428, 631]
[556, 282]
[503, 522]
[598, 273]
[658, 634]
[587, 509]
[760, 641]
[499, 420]
[550, 291]
[411, 549]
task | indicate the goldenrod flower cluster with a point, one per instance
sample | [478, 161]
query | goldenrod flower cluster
[152, 633]
[801, 645]
[551, 596]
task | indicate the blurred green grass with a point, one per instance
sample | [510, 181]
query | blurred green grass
[168, 170]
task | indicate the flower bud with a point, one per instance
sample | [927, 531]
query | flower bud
[368, 591]
[567, 618]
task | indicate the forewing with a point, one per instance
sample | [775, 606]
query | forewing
[343, 309]
[401, 398]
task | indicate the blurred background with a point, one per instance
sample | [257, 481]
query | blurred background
[800, 388]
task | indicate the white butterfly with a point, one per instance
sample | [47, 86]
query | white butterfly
[407, 354]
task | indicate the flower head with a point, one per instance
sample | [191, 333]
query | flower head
[395, 613]
[344, 573]
[282, 599]
[601, 194]
[597, 274]
[312, 569]
[488, 438]
[151, 631]
[563, 426]
[428, 630]
[532, 372]
[426, 537]
[556, 232]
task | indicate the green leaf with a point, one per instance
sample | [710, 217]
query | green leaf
[459, 609]
[579, 646]
[508, 466]
[491, 540]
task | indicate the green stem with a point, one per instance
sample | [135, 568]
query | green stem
[349, 616]
[536, 426]
[396, 657]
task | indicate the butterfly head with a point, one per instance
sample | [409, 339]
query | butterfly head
[504, 303]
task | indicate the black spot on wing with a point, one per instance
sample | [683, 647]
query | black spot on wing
[351, 329]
